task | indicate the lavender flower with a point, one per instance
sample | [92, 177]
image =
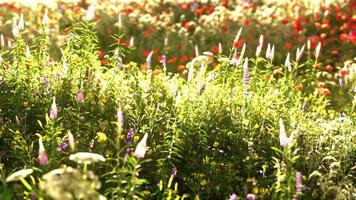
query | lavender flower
[63, 146]
[174, 171]
[164, 63]
[298, 182]
[42, 155]
[233, 197]
[53, 112]
[45, 82]
[130, 135]
[341, 81]
[80, 96]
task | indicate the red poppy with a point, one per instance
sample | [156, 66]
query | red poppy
[104, 62]
[180, 68]
[238, 44]
[183, 58]
[156, 71]
[321, 85]
[101, 54]
[329, 68]
[146, 52]
[215, 49]
[325, 91]
[172, 60]
[344, 72]
[288, 45]
[343, 37]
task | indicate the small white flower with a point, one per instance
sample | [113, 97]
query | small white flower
[317, 50]
[260, 45]
[45, 18]
[287, 63]
[132, 42]
[18, 175]
[90, 13]
[220, 48]
[141, 147]
[86, 157]
[283, 138]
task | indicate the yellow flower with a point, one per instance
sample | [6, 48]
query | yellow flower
[216, 144]
[255, 190]
[101, 137]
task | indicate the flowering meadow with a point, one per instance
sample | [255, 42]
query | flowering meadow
[183, 99]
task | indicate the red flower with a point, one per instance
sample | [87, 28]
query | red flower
[325, 91]
[146, 52]
[343, 37]
[172, 60]
[238, 44]
[104, 62]
[180, 68]
[335, 52]
[329, 68]
[288, 45]
[344, 72]
[215, 49]
[156, 71]
[101, 54]
[321, 85]
[285, 21]
[183, 58]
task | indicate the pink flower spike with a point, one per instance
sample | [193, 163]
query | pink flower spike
[53, 112]
[42, 155]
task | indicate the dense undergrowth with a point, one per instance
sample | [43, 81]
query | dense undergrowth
[247, 128]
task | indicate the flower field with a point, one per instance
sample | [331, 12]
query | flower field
[178, 99]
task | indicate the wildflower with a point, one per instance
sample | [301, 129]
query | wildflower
[250, 197]
[45, 84]
[15, 28]
[298, 182]
[233, 197]
[299, 53]
[174, 171]
[220, 48]
[45, 18]
[344, 72]
[341, 81]
[21, 25]
[90, 13]
[130, 135]
[246, 73]
[141, 147]
[71, 140]
[321, 85]
[242, 54]
[101, 137]
[268, 52]
[317, 50]
[283, 138]
[287, 63]
[329, 68]
[63, 146]
[196, 51]
[164, 63]
[149, 60]
[132, 42]
[2, 41]
[259, 47]
[53, 112]
[86, 157]
[325, 91]
[42, 155]
[18, 175]
[272, 52]
[80, 96]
